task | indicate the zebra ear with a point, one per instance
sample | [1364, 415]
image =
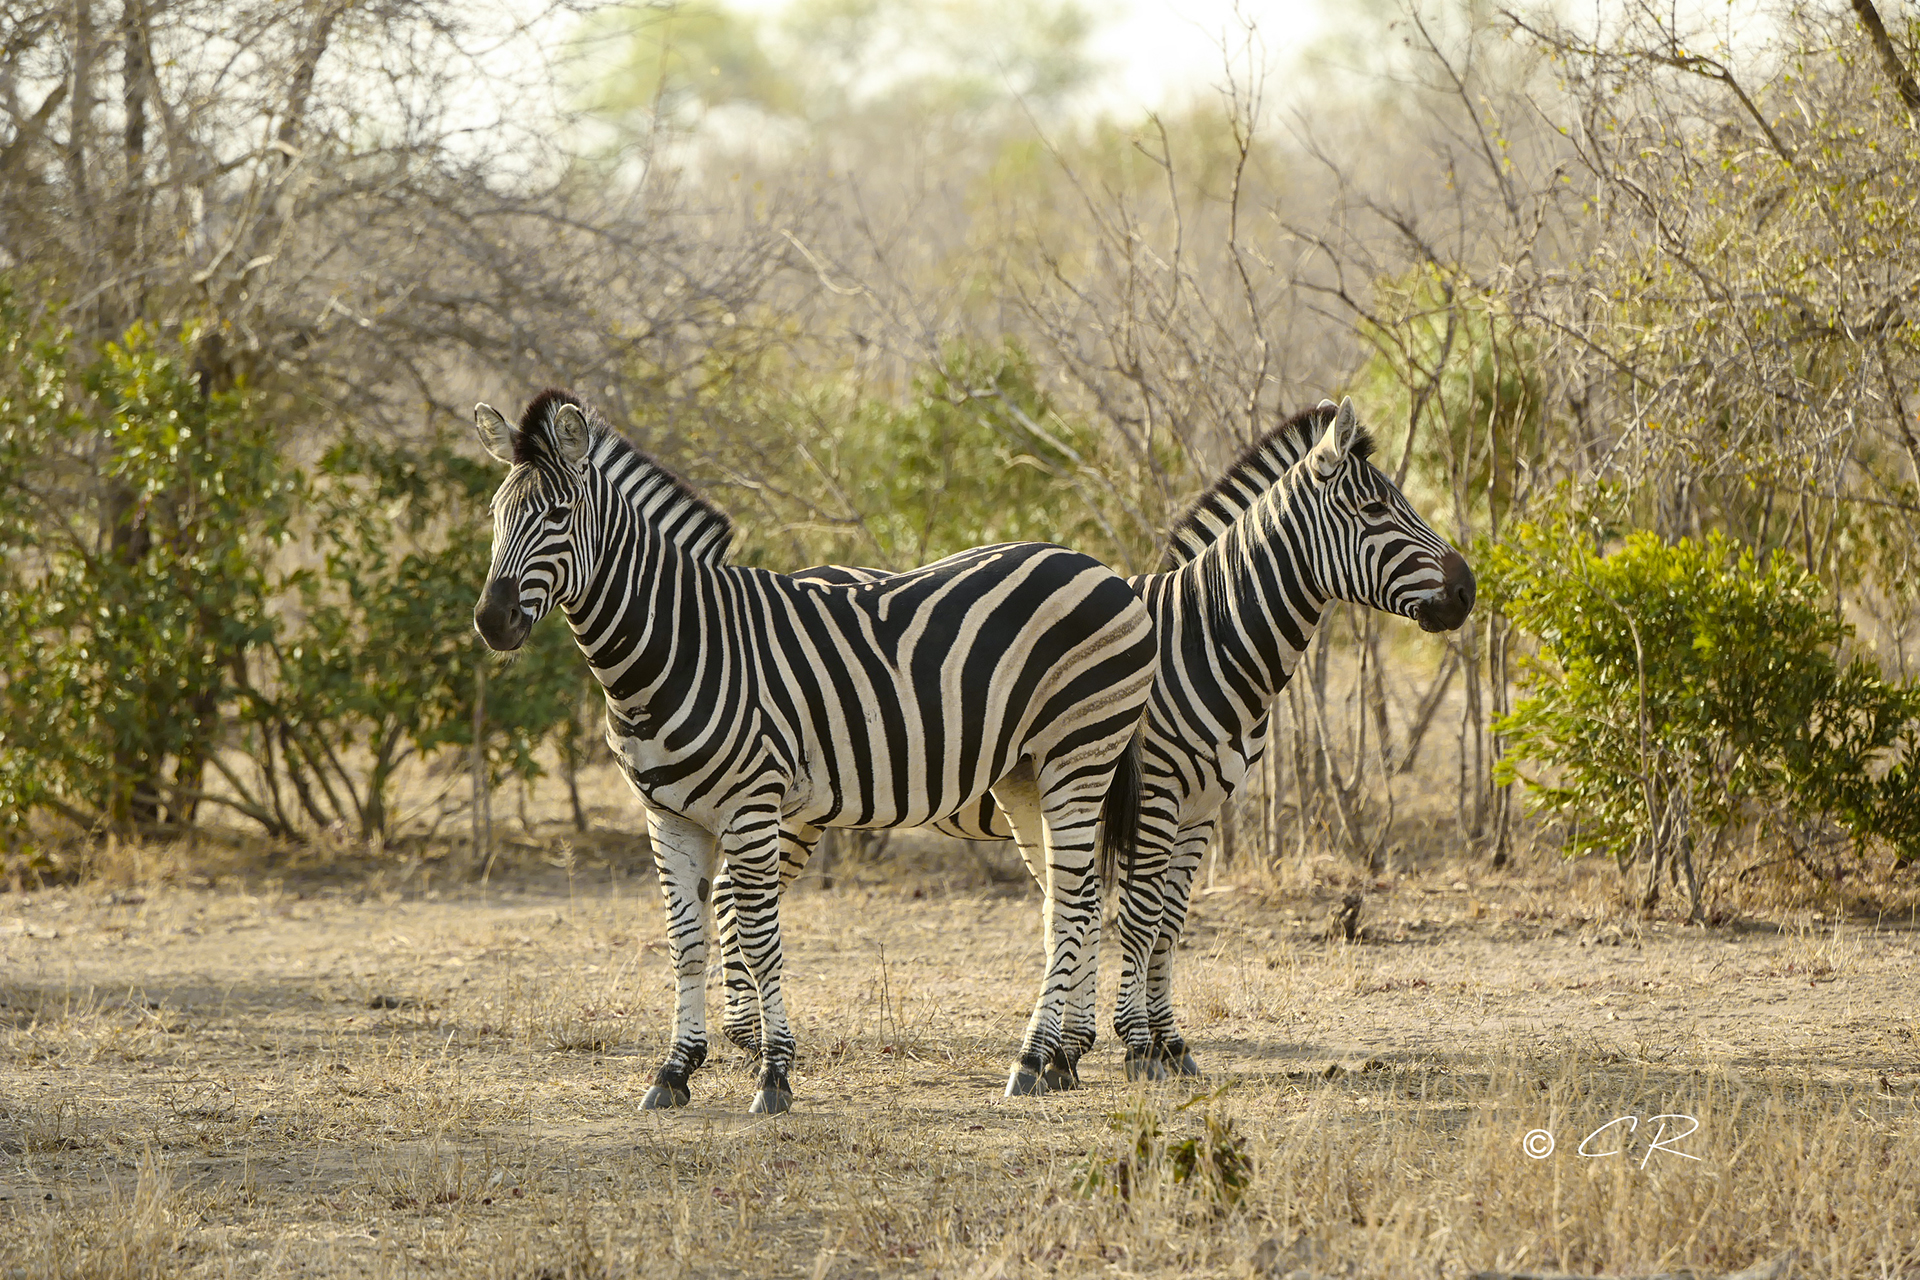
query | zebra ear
[1334, 445]
[1347, 423]
[496, 437]
[570, 433]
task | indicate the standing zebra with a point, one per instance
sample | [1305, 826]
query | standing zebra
[749, 710]
[1301, 519]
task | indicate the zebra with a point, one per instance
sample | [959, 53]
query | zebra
[1300, 519]
[748, 710]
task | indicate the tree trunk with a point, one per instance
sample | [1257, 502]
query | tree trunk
[1889, 56]
[130, 220]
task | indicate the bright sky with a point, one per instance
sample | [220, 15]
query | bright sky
[1161, 50]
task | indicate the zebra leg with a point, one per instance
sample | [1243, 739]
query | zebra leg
[1070, 820]
[1168, 1045]
[1078, 1032]
[1141, 911]
[753, 844]
[1019, 799]
[1138, 924]
[1079, 1028]
[741, 1023]
[684, 855]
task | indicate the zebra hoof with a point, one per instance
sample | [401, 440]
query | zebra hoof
[1186, 1066]
[664, 1097]
[1059, 1079]
[771, 1102]
[1025, 1083]
[1145, 1066]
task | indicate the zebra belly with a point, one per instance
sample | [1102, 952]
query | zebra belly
[811, 801]
[808, 799]
[981, 820]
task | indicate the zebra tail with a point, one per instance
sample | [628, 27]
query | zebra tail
[1120, 816]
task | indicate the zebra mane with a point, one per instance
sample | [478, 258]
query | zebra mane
[533, 442]
[1257, 469]
[665, 501]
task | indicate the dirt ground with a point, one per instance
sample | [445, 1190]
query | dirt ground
[391, 1074]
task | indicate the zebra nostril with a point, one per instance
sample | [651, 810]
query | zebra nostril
[1460, 578]
[497, 617]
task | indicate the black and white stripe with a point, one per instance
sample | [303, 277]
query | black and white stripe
[1300, 520]
[750, 710]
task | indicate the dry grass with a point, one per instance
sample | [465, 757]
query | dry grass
[359, 1075]
[135, 1231]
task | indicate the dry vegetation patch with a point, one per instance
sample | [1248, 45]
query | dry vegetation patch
[341, 1080]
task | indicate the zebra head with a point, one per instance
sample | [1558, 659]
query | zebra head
[1374, 548]
[536, 559]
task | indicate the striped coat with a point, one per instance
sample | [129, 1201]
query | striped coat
[749, 710]
[1300, 520]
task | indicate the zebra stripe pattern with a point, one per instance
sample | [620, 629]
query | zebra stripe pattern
[749, 710]
[1301, 519]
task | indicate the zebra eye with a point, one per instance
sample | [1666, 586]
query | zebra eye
[1376, 510]
[560, 514]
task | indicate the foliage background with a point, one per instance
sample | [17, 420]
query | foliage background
[889, 281]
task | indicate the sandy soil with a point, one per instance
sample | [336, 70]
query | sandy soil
[336, 1079]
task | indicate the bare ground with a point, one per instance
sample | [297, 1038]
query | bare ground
[354, 1076]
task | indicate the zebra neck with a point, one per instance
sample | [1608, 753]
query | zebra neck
[1259, 598]
[647, 619]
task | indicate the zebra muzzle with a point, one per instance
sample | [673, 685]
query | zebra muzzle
[499, 619]
[1447, 608]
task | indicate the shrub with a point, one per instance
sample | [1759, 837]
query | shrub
[139, 515]
[1214, 1165]
[159, 649]
[1682, 690]
[976, 452]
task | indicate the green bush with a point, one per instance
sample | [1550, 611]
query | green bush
[139, 516]
[165, 645]
[1682, 690]
[979, 454]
